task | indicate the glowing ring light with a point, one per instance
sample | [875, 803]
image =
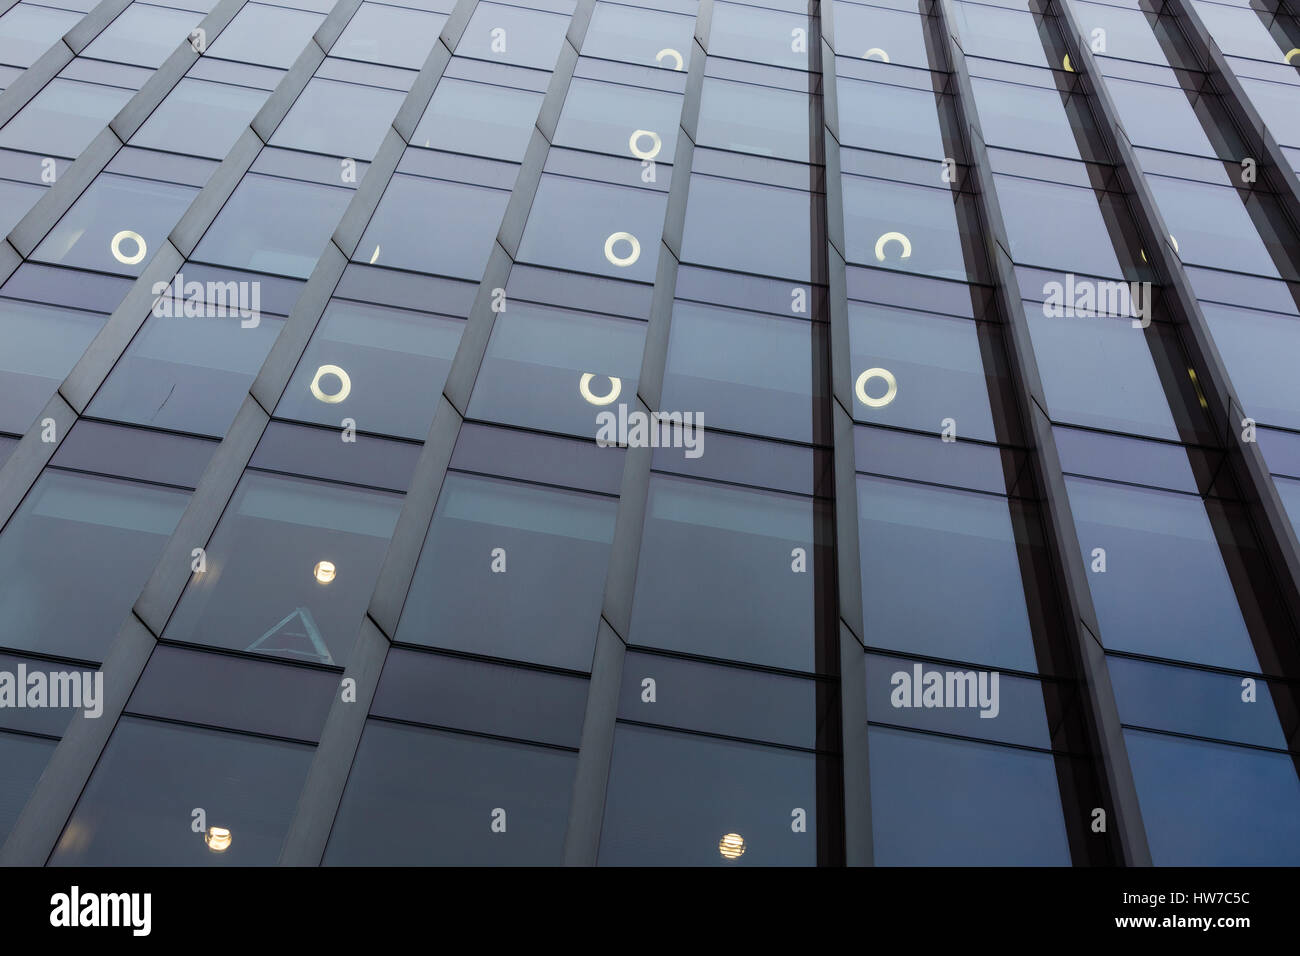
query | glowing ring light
[1066, 63]
[584, 387]
[640, 153]
[884, 57]
[659, 57]
[344, 391]
[1291, 53]
[868, 375]
[889, 237]
[115, 247]
[624, 260]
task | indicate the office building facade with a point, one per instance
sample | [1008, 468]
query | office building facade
[674, 432]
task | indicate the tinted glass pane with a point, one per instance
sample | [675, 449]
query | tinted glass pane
[226, 110]
[542, 603]
[478, 119]
[673, 798]
[96, 537]
[291, 568]
[44, 343]
[136, 809]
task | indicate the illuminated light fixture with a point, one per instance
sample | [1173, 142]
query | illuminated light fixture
[1171, 239]
[883, 56]
[1292, 53]
[584, 387]
[659, 57]
[1066, 63]
[897, 237]
[324, 571]
[640, 153]
[887, 377]
[732, 846]
[217, 839]
[631, 257]
[345, 385]
[1191, 373]
[115, 247]
[374, 256]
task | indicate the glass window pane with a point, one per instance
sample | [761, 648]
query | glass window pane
[135, 811]
[226, 110]
[97, 538]
[291, 567]
[478, 119]
[619, 32]
[394, 363]
[748, 227]
[557, 370]
[528, 38]
[937, 801]
[620, 120]
[63, 118]
[144, 35]
[714, 576]
[339, 119]
[390, 35]
[754, 119]
[274, 225]
[43, 344]
[456, 241]
[1207, 804]
[116, 224]
[673, 798]
[266, 35]
[427, 798]
[545, 607]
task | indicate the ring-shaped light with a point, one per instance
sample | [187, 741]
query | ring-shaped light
[889, 237]
[345, 385]
[115, 247]
[584, 387]
[886, 376]
[637, 151]
[627, 260]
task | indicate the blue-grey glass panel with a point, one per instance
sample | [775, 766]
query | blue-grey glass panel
[557, 370]
[758, 35]
[393, 365]
[891, 119]
[673, 798]
[890, 36]
[389, 35]
[116, 224]
[266, 35]
[195, 687]
[27, 31]
[289, 570]
[152, 456]
[428, 798]
[723, 700]
[481, 697]
[319, 453]
[64, 117]
[938, 365]
[620, 120]
[455, 242]
[1212, 227]
[43, 343]
[274, 225]
[97, 538]
[478, 119]
[936, 801]
[187, 373]
[743, 372]
[42, 697]
[530, 456]
[620, 32]
[137, 808]
[1165, 591]
[1201, 703]
[1208, 804]
[513, 571]
[593, 227]
[914, 229]
[748, 227]
[913, 536]
[226, 110]
[143, 34]
[754, 119]
[716, 575]
[1258, 349]
[514, 35]
[338, 119]
[24, 759]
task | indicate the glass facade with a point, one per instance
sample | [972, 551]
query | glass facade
[649, 432]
